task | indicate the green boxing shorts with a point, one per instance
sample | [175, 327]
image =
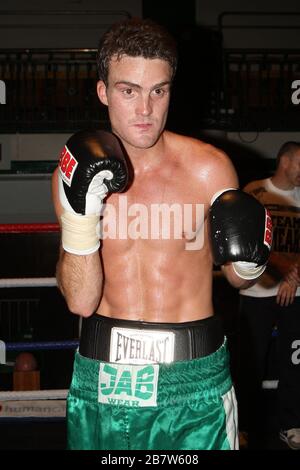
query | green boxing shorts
[118, 402]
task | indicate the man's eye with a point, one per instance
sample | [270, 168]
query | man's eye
[159, 92]
[128, 91]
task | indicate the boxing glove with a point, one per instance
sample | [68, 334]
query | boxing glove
[91, 165]
[240, 232]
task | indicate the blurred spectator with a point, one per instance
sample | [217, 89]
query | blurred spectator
[274, 300]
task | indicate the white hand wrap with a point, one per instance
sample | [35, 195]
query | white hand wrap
[246, 270]
[80, 233]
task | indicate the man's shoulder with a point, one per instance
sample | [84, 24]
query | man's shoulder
[208, 168]
[256, 187]
[197, 151]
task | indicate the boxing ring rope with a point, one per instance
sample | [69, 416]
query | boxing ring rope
[28, 282]
[29, 228]
[35, 395]
[42, 345]
[31, 405]
[37, 404]
[29, 402]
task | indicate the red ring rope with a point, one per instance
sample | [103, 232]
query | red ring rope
[29, 228]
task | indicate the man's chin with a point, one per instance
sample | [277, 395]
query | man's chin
[143, 142]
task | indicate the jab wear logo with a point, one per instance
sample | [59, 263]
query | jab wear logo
[128, 385]
[268, 230]
[67, 165]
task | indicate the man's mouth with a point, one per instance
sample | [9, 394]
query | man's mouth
[143, 125]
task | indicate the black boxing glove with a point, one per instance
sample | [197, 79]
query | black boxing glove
[91, 165]
[240, 232]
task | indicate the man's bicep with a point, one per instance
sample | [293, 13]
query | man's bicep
[55, 195]
[223, 175]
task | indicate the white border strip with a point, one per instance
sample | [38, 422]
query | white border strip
[34, 395]
[29, 282]
[33, 409]
[270, 384]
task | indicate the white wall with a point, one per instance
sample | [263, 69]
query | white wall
[20, 147]
[207, 12]
[80, 31]
[26, 199]
[262, 144]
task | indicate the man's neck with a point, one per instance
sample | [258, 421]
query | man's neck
[146, 160]
[281, 182]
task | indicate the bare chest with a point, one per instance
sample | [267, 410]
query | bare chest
[154, 208]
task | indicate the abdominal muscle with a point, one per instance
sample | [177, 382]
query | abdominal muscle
[157, 281]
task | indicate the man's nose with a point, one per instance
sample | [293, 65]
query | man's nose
[144, 106]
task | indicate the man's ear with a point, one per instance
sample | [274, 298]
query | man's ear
[101, 92]
[285, 160]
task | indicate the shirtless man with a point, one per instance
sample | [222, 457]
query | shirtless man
[152, 368]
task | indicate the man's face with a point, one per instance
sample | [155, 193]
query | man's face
[292, 168]
[137, 95]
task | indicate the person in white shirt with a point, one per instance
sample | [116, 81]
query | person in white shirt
[274, 300]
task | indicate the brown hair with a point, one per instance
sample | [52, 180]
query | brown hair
[288, 148]
[136, 37]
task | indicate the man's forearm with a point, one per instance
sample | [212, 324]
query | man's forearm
[280, 263]
[80, 280]
[284, 266]
[234, 279]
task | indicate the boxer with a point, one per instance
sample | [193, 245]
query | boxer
[152, 370]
